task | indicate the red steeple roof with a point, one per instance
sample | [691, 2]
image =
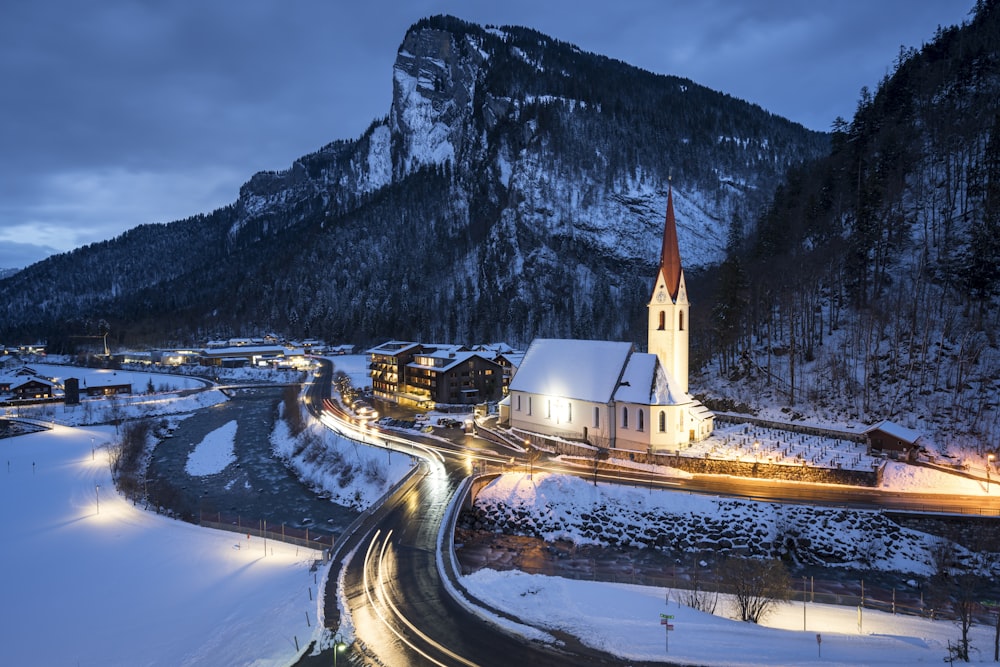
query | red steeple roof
[670, 255]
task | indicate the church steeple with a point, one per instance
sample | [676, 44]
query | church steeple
[670, 254]
[668, 307]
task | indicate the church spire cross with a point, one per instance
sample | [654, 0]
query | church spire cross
[670, 255]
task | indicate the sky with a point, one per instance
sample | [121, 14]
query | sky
[128, 113]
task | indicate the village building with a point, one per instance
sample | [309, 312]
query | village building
[607, 394]
[26, 387]
[423, 374]
[105, 385]
[893, 440]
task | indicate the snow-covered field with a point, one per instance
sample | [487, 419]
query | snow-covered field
[116, 585]
[624, 620]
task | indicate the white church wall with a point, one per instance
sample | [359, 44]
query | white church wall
[557, 416]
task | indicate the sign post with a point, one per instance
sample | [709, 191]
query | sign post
[819, 645]
[665, 621]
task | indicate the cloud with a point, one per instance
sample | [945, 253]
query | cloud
[15, 255]
[69, 209]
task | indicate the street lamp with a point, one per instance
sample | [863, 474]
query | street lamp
[527, 450]
[97, 492]
[338, 646]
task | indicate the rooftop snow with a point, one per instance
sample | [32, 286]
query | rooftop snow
[586, 370]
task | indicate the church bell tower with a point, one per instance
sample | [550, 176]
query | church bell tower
[668, 306]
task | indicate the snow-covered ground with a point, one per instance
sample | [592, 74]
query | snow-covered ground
[747, 442]
[624, 620]
[116, 585]
[124, 586]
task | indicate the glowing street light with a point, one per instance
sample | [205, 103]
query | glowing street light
[97, 492]
[338, 646]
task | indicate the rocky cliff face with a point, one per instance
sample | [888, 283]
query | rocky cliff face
[515, 188]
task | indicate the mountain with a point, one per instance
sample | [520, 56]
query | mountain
[516, 188]
[884, 301]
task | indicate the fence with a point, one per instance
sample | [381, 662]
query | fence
[908, 603]
[259, 528]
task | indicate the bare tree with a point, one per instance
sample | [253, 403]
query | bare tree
[600, 454]
[701, 597]
[757, 586]
[958, 585]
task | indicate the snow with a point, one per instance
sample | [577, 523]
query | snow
[747, 442]
[117, 585]
[125, 586]
[624, 620]
[214, 452]
[589, 368]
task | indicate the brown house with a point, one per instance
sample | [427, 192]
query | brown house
[454, 377]
[386, 366]
[893, 440]
[31, 387]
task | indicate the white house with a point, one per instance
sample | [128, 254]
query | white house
[603, 392]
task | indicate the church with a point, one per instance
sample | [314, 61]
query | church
[604, 392]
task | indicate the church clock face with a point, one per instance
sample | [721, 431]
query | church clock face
[661, 296]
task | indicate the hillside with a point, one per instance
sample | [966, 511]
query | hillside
[885, 301]
[515, 188]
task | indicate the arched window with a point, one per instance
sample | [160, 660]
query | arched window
[663, 321]
[625, 416]
[639, 424]
[663, 421]
[680, 323]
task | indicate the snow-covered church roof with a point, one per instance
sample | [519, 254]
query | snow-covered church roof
[647, 383]
[586, 370]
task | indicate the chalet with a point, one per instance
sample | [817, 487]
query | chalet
[421, 373]
[509, 363]
[105, 384]
[28, 387]
[893, 440]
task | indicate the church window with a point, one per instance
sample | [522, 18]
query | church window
[529, 405]
[569, 413]
[639, 421]
[597, 418]
[663, 321]
[680, 324]
[548, 409]
[625, 416]
[663, 421]
[518, 402]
